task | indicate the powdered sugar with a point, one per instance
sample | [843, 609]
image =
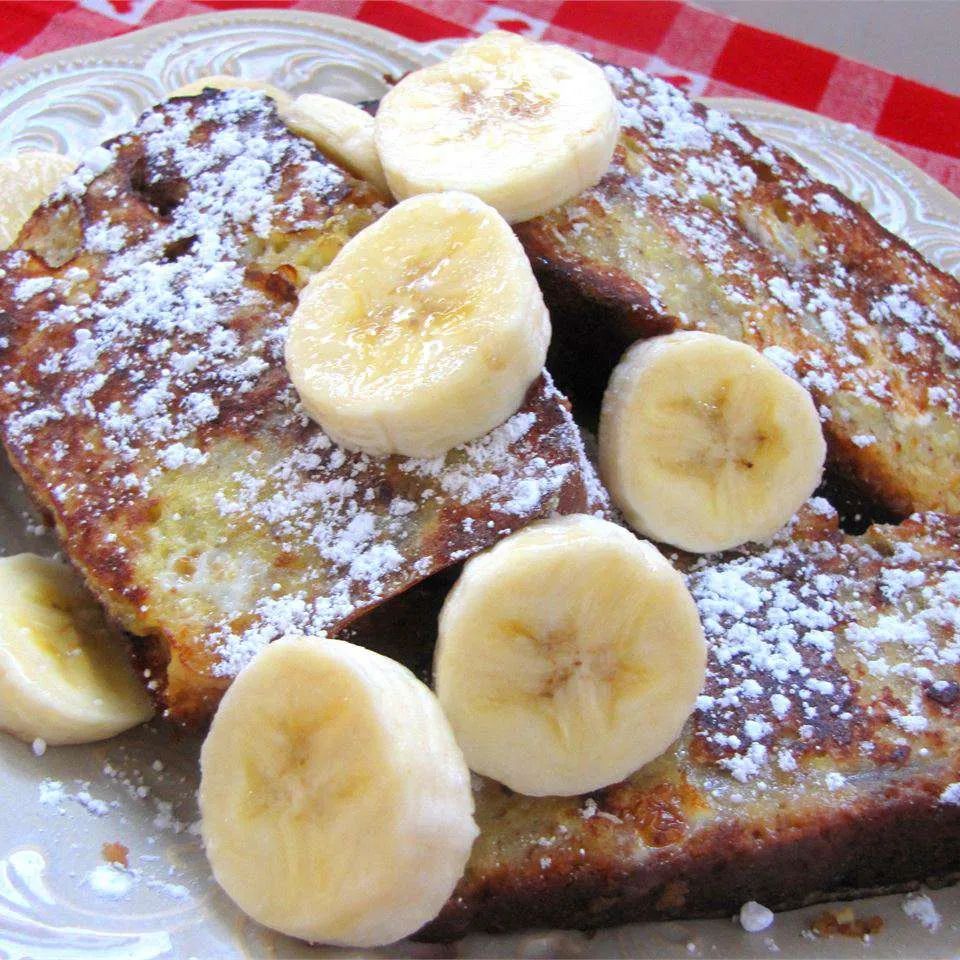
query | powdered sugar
[829, 205]
[777, 621]
[109, 881]
[177, 358]
[52, 793]
[755, 917]
[317, 494]
[748, 254]
[951, 795]
[146, 295]
[919, 907]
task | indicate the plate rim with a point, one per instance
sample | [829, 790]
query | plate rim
[145, 40]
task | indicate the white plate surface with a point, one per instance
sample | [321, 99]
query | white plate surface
[57, 811]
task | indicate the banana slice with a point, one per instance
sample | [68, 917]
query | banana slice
[340, 130]
[425, 331]
[705, 444]
[568, 656]
[26, 180]
[223, 81]
[336, 805]
[65, 675]
[523, 125]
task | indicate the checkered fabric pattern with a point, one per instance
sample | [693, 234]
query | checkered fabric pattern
[702, 52]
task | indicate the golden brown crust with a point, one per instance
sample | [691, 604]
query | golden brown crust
[784, 863]
[700, 225]
[146, 405]
[821, 762]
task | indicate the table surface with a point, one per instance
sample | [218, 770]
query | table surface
[913, 38]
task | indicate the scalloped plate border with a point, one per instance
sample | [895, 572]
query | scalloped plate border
[72, 99]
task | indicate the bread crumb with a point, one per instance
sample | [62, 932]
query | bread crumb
[117, 853]
[844, 923]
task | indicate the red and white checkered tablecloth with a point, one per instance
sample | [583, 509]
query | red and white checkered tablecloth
[705, 53]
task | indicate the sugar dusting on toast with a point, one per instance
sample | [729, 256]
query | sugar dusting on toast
[700, 225]
[665, 119]
[178, 301]
[817, 642]
[145, 394]
[335, 516]
[795, 631]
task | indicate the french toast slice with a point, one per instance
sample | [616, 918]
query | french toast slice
[822, 762]
[145, 403]
[701, 225]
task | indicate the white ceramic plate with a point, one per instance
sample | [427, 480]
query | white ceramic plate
[57, 898]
